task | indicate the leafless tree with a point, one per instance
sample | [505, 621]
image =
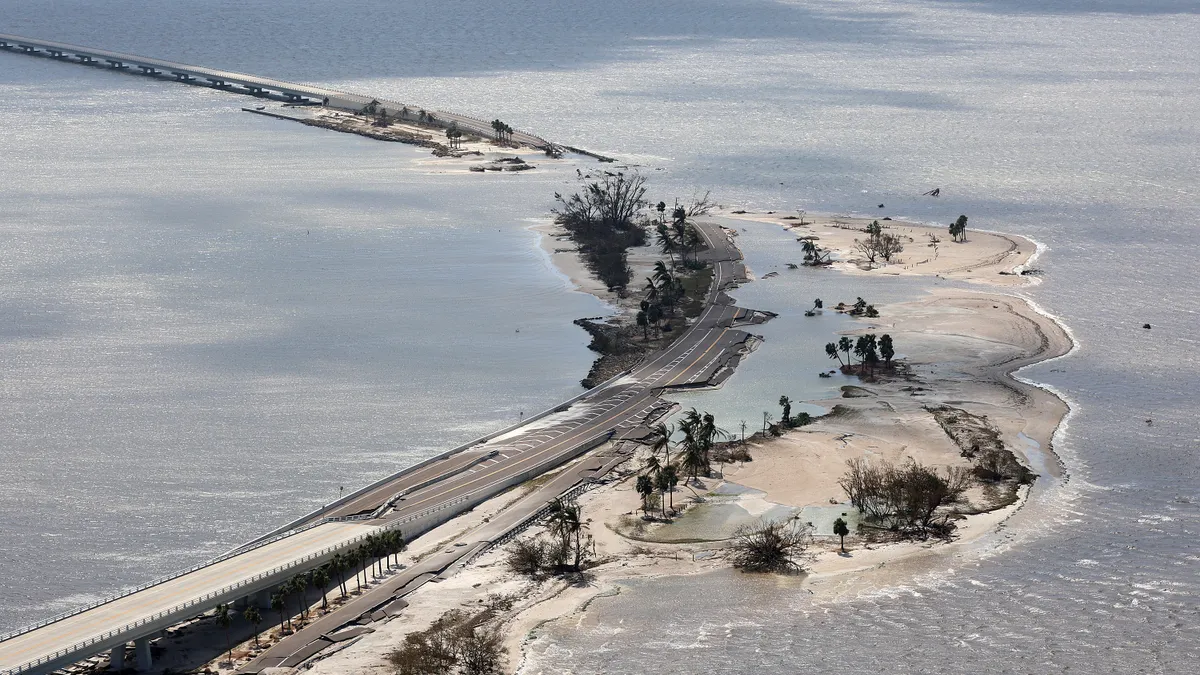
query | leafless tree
[906, 497]
[883, 245]
[771, 546]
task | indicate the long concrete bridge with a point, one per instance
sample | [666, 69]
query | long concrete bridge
[412, 501]
[241, 83]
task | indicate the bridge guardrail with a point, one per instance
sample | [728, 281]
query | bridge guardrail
[212, 595]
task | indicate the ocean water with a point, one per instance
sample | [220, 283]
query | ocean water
[1071, 122]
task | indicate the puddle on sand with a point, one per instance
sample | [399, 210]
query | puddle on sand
[1035, 456]
[729, 506]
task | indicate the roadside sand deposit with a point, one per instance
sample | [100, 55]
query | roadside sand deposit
[952, 392]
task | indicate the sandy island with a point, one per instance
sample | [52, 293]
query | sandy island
[959, 349]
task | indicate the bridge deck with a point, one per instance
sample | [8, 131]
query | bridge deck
[92, 624]
[331, 97]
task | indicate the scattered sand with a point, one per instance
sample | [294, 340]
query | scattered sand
[959, 347]
[981, 258]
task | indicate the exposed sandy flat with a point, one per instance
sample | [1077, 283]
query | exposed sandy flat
[981, 258]
[960, 346]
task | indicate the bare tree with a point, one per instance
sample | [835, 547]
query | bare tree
[907, 498]
[771, 546]
[699, 206]
[881, 245]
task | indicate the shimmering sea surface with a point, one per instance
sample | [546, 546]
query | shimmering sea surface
[209, 321]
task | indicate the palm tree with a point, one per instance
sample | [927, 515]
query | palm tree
[354, 558]
[693, 240]
[860, 350]
[645, 488]
[652, 465]
[811, 251]
[845, 344]
[254, 616]
[644, 323]
[693, 456]
[817, 304]
[662, 439]
[831, 349]
[654, 315]
[565, 523]
[787, 410]
[666, 242]
[224, 621]
[280, 606]
[396, 544]
[958, 229]
[321, 581]
[662, 274]
[373, 546]
[666, 481]
[338, 565]
[300, 585]
[708, 434]
[651, 290]
[679, 228]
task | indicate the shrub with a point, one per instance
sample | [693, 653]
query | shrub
[530, 557]
[771, 546]
[455, 643]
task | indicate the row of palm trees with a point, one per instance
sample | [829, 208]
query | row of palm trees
[693, 456]
[867, 348]
[503, 131]
[372, 554]
[679, 236]
[663, 289]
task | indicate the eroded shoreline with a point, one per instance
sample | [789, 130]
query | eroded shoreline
[943, 338]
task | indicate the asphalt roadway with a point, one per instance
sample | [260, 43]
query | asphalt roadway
[704, 354]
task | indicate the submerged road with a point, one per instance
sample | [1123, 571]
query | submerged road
[414, 502]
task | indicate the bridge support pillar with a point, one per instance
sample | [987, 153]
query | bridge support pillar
[116, 658]
[142, 646]
[262, 599]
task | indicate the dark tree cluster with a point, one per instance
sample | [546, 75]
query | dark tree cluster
[454, 135]
[958, 229]
[680, 235]
[664, 291]
[503, 131]
[906, 498]
[871, 351]
[605, 218]
[859, 308]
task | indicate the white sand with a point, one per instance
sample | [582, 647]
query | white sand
[961, 346]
